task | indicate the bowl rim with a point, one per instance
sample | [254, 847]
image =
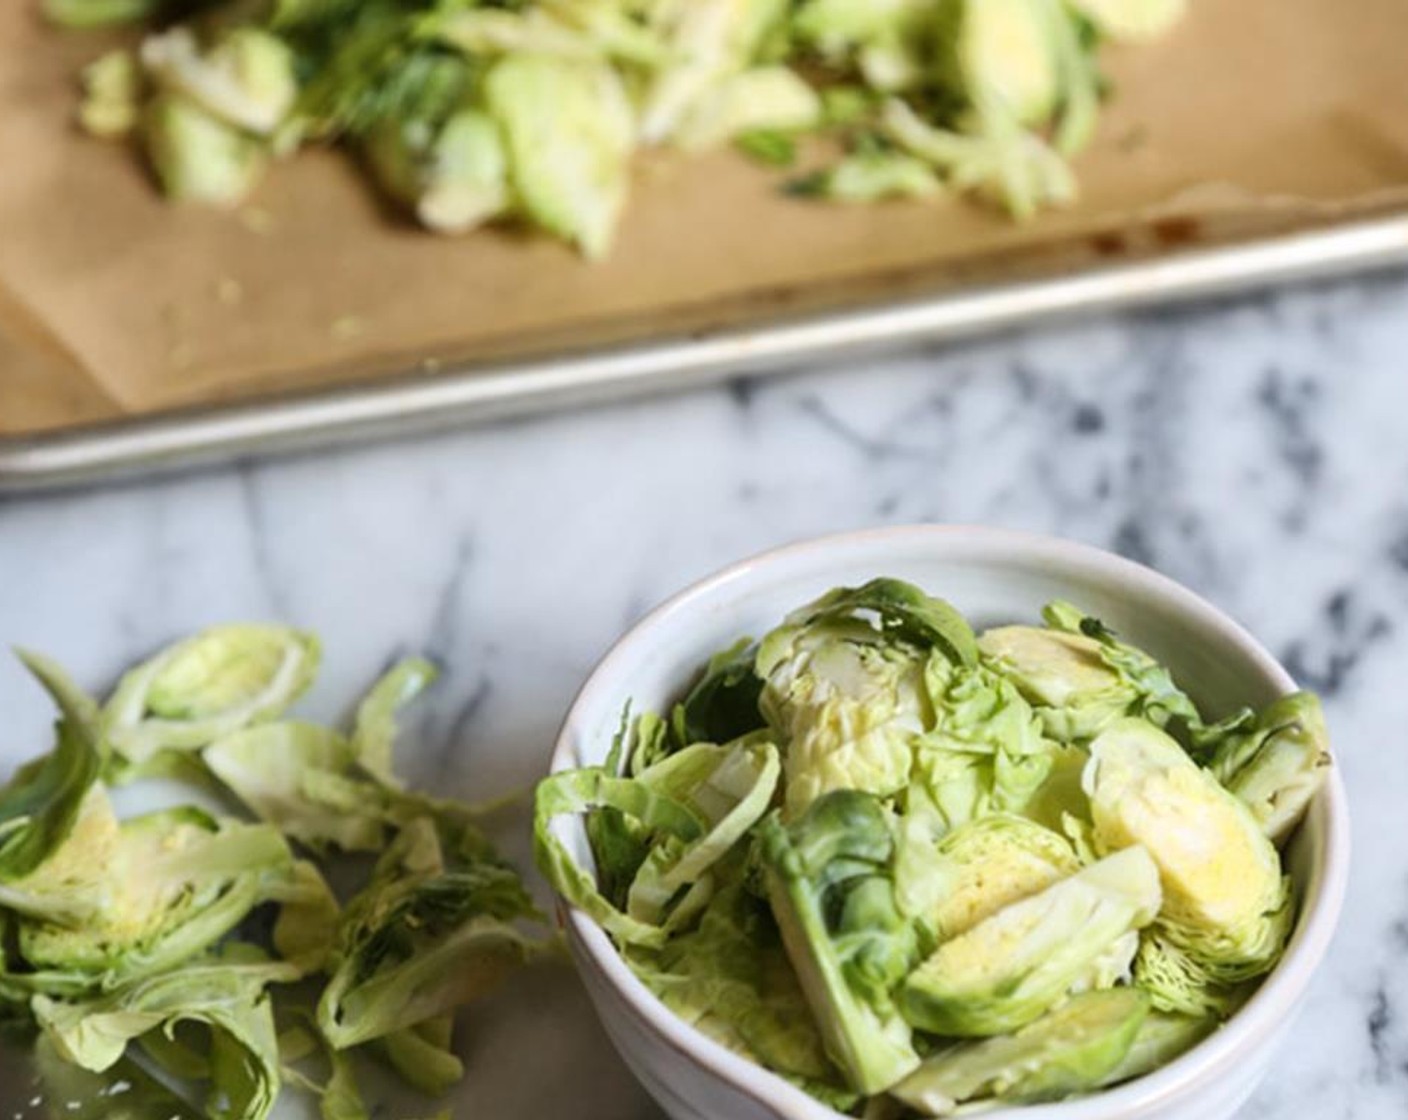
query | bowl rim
[1264, 1014]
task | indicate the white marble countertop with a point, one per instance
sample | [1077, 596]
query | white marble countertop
[1256, 450]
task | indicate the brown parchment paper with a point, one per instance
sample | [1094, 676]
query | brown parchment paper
[1255, 116]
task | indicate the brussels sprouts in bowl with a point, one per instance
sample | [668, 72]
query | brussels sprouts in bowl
[908, 855]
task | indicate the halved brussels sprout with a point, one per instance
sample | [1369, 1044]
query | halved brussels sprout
[216, 682]
[1070, 1050]
[830, 881]
[1226, 900]
[1014, 965]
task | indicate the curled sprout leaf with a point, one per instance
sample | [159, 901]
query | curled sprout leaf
[374, 729]
[1278, 763]
[229, 999]
[214, 683]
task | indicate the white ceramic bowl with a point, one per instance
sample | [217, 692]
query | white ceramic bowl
[992, 576]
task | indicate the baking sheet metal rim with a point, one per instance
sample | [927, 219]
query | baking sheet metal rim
[477, 393]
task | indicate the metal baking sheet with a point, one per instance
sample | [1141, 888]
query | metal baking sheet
[479, 392]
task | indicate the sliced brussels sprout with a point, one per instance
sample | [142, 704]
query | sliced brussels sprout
[569, 130]
[830, 880]
[767, 97]
[496, 31]
[306, 927]
[1134, 21]
[891, 38]
[432, 930]
[982, 866]
[581, 30]
[848, 705]
[1005, 54]
[1226, 900]
[1000, 160]
[1008, 969]
[1277, 764]
[575, 792]
[1080, 678]
[1161, 1038]
[868, 176]
[48, 799]
[454, 177]
[112, 95]
[1158, 697]
[708, 41]
[1075, 692]
[1072, 1049]
[177, 882]
[228, 999]
[209, 685]
[374, 726]
[246, 80]
[70, 886]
